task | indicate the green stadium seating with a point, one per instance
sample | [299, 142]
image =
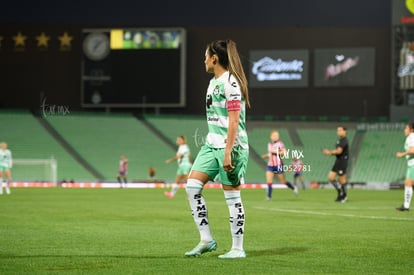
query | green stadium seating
[102, 138]
[314, 141]
[193, 128]
[27, 139]
[377, 161]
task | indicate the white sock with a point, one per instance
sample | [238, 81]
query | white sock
[198, 206]
[174, 188]
[236, 210]
[7, 187]
[1, 187]
[408, 194]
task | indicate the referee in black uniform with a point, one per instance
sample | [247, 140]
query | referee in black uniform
[340, 165]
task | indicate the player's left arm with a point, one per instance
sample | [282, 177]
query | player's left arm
[282, 150]
[233, 96]
[234, 117]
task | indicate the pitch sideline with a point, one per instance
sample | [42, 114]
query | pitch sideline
[334, 214]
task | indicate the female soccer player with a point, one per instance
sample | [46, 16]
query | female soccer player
[225, 153]
[122, 172]
[275, 152]
[297, 167]
[6, 164]
[409, 155]
[183, 158]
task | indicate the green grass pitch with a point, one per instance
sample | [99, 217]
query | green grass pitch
[140, 231]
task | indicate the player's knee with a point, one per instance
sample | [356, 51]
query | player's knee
[193, 186]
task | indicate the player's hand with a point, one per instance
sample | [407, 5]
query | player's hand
[326, 152]
[399, 154]
[228, 167]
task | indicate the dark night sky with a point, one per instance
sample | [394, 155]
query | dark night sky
[315, 13]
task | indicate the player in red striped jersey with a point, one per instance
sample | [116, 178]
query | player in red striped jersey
[275, 152]
[123, 171]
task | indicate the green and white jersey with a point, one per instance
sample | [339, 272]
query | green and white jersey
[409, 142]
[224, 95]
[5, 158]
[185, 159]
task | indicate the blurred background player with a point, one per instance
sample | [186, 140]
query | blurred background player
[297, 168]
[6, 164]
[409, 155]
[275, 152]
[122, 172]
[340, 165]
[183, 158]
[151, 173]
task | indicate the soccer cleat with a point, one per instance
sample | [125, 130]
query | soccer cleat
[296, 191]
[202, 248]
[344, 199]
[168, 194]
[340, 197]
[233, 254]
[402, 208]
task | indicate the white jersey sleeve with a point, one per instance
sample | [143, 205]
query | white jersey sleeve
[184, 150]
[409, 142]
[10, 159]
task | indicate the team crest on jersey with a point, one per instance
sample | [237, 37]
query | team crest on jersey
[216, 90]
[215, 95]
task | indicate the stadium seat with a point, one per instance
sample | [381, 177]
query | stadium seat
[101, 139]
[28, 139]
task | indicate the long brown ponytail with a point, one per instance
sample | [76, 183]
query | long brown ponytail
[228, 56]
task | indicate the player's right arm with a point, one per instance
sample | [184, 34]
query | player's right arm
[178, 156]
[337, 151]
[409, 152]
[269, 152]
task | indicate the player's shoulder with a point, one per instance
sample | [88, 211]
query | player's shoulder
[183, 147]
[231, 82]
[410, 138]
[343, 140]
